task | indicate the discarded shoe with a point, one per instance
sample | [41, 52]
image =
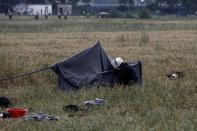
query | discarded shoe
[97, 101]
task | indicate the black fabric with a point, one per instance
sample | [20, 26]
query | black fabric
[71, 108]
[6, 115]
[136, 70]
[126, 75]
[90, 67]
[4, 102]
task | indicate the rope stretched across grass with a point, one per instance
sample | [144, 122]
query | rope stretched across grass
[26, 74]
[36, 71]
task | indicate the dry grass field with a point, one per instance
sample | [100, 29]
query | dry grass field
[160, 104]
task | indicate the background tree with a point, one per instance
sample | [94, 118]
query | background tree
[190, 5]
[87, 7]
[171, 8]
[172, 2]
[34, 1]
[73, 2]
[127, 3]
[6, 5]
[87, 1]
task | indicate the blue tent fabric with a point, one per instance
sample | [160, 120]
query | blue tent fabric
[89, 68]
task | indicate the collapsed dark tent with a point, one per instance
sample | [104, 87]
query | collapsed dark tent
[91, 67]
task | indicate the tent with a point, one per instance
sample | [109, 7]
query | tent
[89, 68]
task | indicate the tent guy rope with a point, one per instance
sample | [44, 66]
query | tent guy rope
[26, 74]
[36, 71]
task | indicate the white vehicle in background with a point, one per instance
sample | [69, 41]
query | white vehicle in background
[103, 15]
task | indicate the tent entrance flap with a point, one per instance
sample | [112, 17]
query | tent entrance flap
[90, 67]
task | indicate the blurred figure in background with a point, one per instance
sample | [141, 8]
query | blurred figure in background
[37, 16]
[65, 16]
[59, 15]
[10, 15]
[46, 16]
[88, 15]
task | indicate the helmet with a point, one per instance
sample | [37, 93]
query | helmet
[118, 61]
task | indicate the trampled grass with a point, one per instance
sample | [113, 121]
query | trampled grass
[160, 104]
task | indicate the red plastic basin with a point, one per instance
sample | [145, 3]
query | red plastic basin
[16, 112]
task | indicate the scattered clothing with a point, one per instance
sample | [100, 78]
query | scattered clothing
[40, 117]
[97, 101]
[4, 102]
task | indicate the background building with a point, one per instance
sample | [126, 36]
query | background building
[33, 9]
[64, 9]
[41, 9]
